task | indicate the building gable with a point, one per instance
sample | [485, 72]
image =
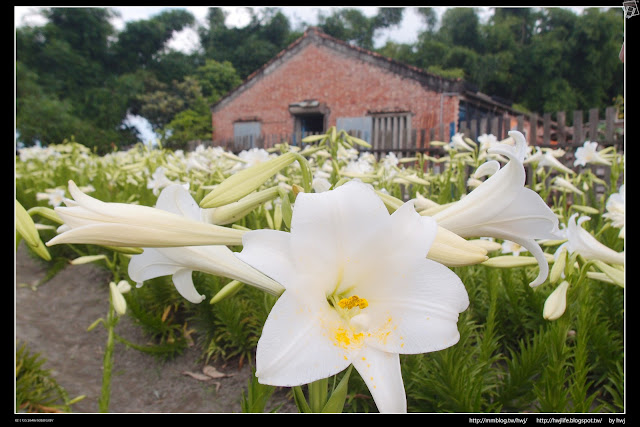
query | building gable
[315, 36]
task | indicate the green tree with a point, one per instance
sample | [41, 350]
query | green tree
[75, 77]
[159, 106]
[461, 27]
[249, 47]
[170, 65]
[596, 73]
[40, 117]
[206, 85]
[352, 26]
[140, 42]
[429, 16]
[216, 79]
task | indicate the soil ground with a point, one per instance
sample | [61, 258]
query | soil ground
[52, 320]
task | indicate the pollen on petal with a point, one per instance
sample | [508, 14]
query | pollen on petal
[347, 339]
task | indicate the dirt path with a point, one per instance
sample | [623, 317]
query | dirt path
[53, 321]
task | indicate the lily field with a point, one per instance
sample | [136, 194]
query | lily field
[488, 279]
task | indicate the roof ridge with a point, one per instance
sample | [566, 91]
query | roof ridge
[317, 32]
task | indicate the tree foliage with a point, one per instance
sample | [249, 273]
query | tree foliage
[351, 25]
[78, 76]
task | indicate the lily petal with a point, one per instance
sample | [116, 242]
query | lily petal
[215, 260]
[581, 241]
[294, 348]
[382, 375]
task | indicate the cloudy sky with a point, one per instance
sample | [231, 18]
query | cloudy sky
[187, 40]
[237, 16]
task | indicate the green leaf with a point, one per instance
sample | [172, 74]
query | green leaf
[335, 404]
[301, 401]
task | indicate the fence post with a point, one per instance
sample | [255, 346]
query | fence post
[546, 130]
[560, 117]
[464, 129]
[520, 125]
[441, 132]
[610, 116]
[577, 127]
[494, 128]
[533, 129]
[474, 129]
[483, 126]
[593, 124]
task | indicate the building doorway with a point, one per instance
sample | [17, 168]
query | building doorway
[309, 118]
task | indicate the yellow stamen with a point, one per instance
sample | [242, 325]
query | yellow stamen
[353, 301]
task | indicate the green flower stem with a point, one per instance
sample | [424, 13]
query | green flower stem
[307, 175]
[107, 360]
[105, 395]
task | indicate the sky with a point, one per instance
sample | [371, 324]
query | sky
[187, 40]
[237, 16]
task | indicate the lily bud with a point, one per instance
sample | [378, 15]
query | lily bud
[91, 221]
[392, 203]
[453, 251]
[119, 303]
[246, 181]
[616, 275]
[509, 261]
[27, 229]
[44, 212]
[234, 211]
[422, 203]
[87, 259]
[558, 266]
[488, 245]
[229, 290]
[556, 303]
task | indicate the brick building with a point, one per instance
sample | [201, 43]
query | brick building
[319, 81]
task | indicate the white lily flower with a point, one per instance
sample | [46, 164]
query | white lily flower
[361, 166]
[564, 185]
[252, 157]
[509, 247]
[487, 141]
[159, 180]
[547, 158]
[320, 184]
[180, 262]
[422, 203]
[91, 221]
[615, 210]
[588, 153]
[55, 196]
[502, 207]
[359, 290]
[458, 143]
[581, 241]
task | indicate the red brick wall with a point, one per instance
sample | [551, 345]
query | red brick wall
[348, 86]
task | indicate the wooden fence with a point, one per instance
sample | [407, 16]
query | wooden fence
[549, 129]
